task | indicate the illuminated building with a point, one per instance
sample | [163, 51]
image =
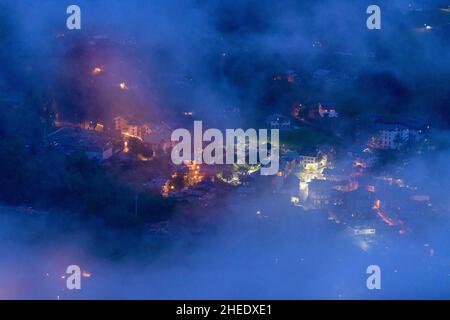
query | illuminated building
[132, 128]
[306, 168]
[322, 195]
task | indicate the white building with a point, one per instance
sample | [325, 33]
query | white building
[393, 136]
[278, 121]
[306, 159]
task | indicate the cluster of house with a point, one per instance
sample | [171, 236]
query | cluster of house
[99, 142]
[312, 181]
[324, 110]
[387, 136]
[394, 135]
[157, 138]
[300, 173]
[132, 128]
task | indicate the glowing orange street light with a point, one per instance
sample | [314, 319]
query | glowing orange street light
[86, 274]
[96, 71]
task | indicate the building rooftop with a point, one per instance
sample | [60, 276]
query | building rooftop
[75, 138]
[330, 105]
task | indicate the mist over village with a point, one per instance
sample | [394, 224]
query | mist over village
[341, 161]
